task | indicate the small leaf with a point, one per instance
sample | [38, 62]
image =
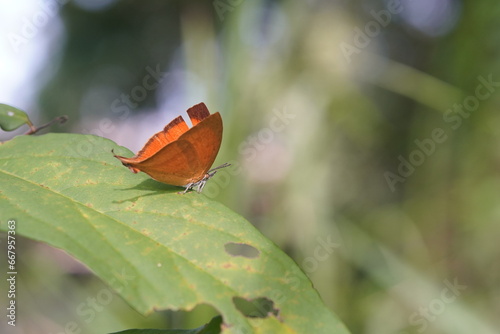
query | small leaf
[12, 118]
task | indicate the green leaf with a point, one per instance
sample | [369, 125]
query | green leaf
[11, 118]
[158, 249]
[213, 327]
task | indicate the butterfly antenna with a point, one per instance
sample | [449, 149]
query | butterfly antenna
[219, 167]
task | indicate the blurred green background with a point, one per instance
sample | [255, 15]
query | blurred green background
[364, 136]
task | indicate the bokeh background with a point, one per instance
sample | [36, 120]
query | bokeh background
[365, 134]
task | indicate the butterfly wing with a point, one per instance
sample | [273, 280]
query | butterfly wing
[179, 155]
[169, 134]
[187, 159]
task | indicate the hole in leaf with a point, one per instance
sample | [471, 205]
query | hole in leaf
[255, 308]
[203, 315]
[236, 249]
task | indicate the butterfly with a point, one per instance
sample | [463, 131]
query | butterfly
[179, 155]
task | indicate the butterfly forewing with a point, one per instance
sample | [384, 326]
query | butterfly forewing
[198, 113]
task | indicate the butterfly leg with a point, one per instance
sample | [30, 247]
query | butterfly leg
[188, 186]
[201, 185]
[198, 186]
[208, 176]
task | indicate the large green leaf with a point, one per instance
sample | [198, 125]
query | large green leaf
[11, 118]
[158, 249]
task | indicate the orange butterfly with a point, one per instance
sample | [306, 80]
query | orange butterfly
[179, 155]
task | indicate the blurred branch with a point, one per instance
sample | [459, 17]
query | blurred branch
[414, 84]
[33, 129]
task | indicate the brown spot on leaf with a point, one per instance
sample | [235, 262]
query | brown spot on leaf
[227, 265]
